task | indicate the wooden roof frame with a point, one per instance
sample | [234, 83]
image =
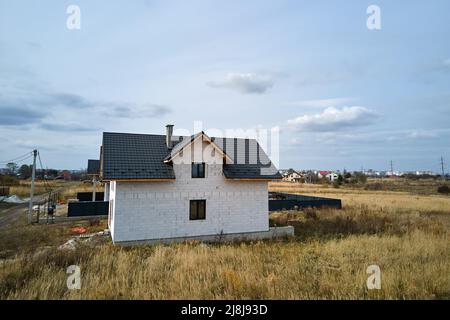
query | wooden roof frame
[208, 139]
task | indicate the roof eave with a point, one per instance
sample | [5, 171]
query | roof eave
[139, 179]
[254, 179]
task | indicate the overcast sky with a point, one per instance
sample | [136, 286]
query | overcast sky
[343, 96]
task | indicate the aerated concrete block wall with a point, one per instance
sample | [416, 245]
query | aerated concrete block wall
[155, 210]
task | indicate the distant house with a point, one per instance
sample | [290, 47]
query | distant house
[332, 176]
[169, 188]
[321, 174]
[64, 175]
[292, 176]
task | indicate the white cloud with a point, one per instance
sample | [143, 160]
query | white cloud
[129, 110]
[334, 119]
[423, 134]
[245, 82]
[415, 134]
[321, 103]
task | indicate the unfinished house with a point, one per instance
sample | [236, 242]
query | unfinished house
[174, 188]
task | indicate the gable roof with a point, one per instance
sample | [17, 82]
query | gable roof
[93, 167]
[130, 156]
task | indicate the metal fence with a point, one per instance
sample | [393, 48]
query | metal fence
[286, 201]
[4, 191]
[87, 196]
[88, 208]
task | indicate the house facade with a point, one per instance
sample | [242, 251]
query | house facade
[162, 187]
[292, 176]
[321, 174]
[332, 176]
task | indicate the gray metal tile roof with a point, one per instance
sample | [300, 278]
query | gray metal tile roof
[135, 156]
[249, 159]
[251, 171]
[93, 166]
[141, 156]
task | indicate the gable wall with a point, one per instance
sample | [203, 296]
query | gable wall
[199, 151]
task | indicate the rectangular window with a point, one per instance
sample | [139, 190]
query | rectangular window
[197, 210]
[198, 170]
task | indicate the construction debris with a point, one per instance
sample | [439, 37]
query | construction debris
[12, 199]
[69, 245]
[73, 243]
[100, 233]
[79, 230]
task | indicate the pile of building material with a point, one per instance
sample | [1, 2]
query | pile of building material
[74, 242]
[12, 199]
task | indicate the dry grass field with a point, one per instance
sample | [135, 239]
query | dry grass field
[404, 232]
[69, 188]
[23, 190]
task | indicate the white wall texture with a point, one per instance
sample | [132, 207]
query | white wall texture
[112, 188]
[106, 194]
[156, 210]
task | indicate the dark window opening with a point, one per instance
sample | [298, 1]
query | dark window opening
[198, 170]
[197, 210]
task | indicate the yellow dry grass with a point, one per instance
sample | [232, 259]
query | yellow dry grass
[413, 266]
[68, 189]
[23, 189]
[375, 199]
[406, 235]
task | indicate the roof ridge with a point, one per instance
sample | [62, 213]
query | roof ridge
[131, 133]
[156, 134]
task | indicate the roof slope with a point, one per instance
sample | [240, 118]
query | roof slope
[141, 156]
[93, 166]
[249, 159]
[135, 156]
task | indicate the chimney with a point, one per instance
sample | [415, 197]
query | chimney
[169, 132]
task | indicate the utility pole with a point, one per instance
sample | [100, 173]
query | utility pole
[392, 168]
[33, 176]
[442, 167]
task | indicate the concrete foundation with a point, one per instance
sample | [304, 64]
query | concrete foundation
[272, 233]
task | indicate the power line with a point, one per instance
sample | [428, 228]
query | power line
[46, 185]
[19, 159]
[40, 161]
[33, 176]
[26, 154]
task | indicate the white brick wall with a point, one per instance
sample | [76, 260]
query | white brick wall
[155, 210]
